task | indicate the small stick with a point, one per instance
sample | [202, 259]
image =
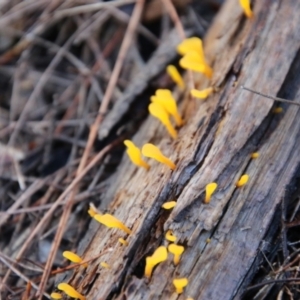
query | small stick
[270, 97]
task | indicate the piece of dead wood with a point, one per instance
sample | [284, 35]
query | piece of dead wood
[214, 145]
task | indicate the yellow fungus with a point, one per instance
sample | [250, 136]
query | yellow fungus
[70, 291]
[123, 242]
[277, 110]
[193, 44]
[158, 111]
[111, 222]
[105, 265]
[177, 251]
[208, 241]
[192, 61]
[73, 257]
[159, 255]
[169, 205]
[135, 155]
[170, 237]
[165, 98]
[175, 75]
[243, 180]
[56, 296]
[179, 284]
[149, 150]
[255, 155]
[245, 4]
[209, 189]
[92, 212]
[189, 298]
[202, 94]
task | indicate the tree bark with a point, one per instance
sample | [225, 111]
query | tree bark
[214, 145]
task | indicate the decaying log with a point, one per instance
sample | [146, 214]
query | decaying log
[214, 145]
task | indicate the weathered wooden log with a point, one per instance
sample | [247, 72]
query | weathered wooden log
[214, 145]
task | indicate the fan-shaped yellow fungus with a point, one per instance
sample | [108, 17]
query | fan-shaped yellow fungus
[73, 257]
[135, 155]
[123, 242]
[158, 111]
[245, 4]
[177, 251]
[159, 255]
[111, 222]
[105, 265]
[70, 291]
[202, 94]
[175, 75]
[192, 44]
[277, 110]
[165, 98]
[209, 190]
[149, 150]
[56, 296]
[243, 180]
[192, 61]
[170, 236]
[255, 155]
[169, 205]
[179, 284]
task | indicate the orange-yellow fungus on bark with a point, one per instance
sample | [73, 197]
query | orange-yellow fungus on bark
[92, 212]
[169, 205]
[175, 76]
[209, 190]
[56, 296]
[170, 236]
[135, 154]
[105, 265]
[123, 242]
[159, 255]
[73, 257]
[149, 150]
[158, 111]
[192, 44]
[179, 284]
[70, 291]
[111, 222]
[245, 4]
[255, 155]
[277, 110]
[202, 94]
[191, 61]
[243, 180]
[177, 251]
[165, 98]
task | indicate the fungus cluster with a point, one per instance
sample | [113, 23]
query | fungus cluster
[162, 106]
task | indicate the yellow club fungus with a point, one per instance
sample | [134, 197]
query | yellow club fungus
[165, 98]
[245, 4]
[254, 155]
[111, 222]
[179, 284]
[56, 296]
[243, 180]
[70, 291]
[209, 190]
[159, 255]
[92, 212]
[169, 205]
[149, 150]
[202, 94]
[277, 110]
[135, 155]
[105, 265]
[123, 242]
[158, 111]
[193, 44]
[170, 236]
[177, 251]
[175, 76]
[73, 257]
